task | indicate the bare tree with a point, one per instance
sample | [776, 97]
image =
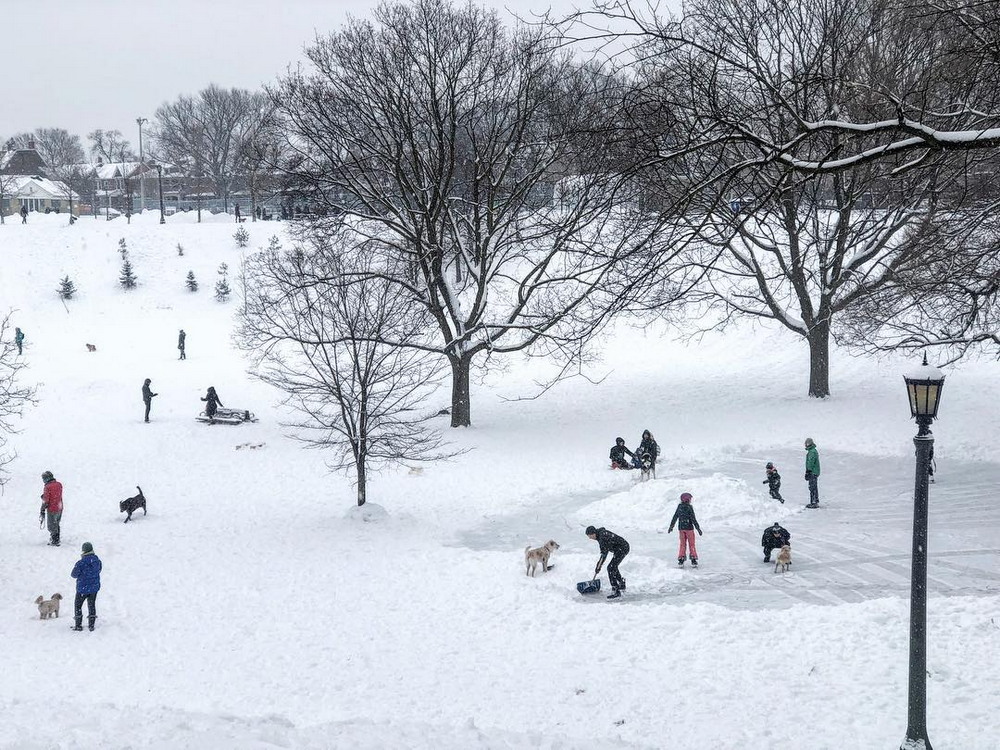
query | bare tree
[7, 185]
[263, 150]
[203, 133]
[57, 146]
[111, 146]
[476, 155]
[329, 345]
[14, 396]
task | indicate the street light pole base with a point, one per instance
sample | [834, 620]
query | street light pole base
[908, 744]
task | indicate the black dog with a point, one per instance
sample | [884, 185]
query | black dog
[131, 504]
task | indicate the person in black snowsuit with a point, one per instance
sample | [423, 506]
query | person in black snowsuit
[147, 396]
[775, 537]
[774, 482]
[180, 343]
[618, 453]
[213, 402]
[646, 446]
[618, 547]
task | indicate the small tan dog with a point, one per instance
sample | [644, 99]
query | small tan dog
[91, 348]
[532, 557]
[784, 559]
[48, 608]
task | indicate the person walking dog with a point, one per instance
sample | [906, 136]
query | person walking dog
[610, 542]
[812, 473]
[686, 522]
[87, 573]
[52, 506]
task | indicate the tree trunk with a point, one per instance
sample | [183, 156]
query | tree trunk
[819, 359]
[461, 408]
[362, 481]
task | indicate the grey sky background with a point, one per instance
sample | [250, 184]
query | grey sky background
[103, 63]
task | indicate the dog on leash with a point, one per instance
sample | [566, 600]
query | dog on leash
[91, 348]
[48, 608]
[131, 504]
[647, 466]
[532, 557]
[784, 559]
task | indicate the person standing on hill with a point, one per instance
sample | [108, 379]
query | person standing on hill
[52, 506]
[19, 340]
[812, 473]
[147, 396]
[619, 548]
[180, 343]
[24, 214]
[87, 573]
[686, 522]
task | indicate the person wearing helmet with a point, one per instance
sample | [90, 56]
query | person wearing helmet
[52, 506]
[775, 537]
[610, 542]
[773, 481]
[686, 522]
[618, 453]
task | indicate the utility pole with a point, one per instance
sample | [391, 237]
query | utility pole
[140, 121]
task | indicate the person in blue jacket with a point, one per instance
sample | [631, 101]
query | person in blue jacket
[87, 573]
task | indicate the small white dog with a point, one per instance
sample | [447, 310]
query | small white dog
[532, 557]
[784, 559]
[48, 607]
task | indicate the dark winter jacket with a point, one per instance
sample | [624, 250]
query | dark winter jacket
[180, 339]
[684, 518]
[147, 393]
[19, 336]
[618, 455]
[87, 573]
[52, 496]
[773, 479]
[214, 402]
[650, 446]
[770, 540]
[812, 461]
[610, 542]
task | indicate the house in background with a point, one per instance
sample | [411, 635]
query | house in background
[24, 182]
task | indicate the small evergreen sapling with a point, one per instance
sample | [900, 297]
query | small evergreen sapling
[242, 237]
[222, 290]
[191, 282]
[122, 248]
[66, 288]
[127, 278]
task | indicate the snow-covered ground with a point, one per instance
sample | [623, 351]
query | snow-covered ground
[254, 608]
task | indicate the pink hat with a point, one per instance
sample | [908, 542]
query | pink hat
[686, 497]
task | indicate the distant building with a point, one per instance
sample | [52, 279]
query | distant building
[24, 181]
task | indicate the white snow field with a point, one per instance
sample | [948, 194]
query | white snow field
[255, 608]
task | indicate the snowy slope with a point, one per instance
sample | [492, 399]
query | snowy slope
[252, 608]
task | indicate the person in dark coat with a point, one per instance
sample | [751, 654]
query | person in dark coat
[618, 453]
[24, 214]
[212, 402]
[19, 340]
[686, 522]
[646, 446]
[618, 547]
[52, 506]
[180, 343]
[775, 537]
[774, 482]
[87, 573]
[147, 396]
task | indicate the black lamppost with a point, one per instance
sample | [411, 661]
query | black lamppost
[923, 386]
[159, 182]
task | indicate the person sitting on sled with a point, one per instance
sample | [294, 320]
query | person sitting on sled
[647, 447]
[774, 482]
[618, 453]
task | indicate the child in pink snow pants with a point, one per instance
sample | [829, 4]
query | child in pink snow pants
[686, 522]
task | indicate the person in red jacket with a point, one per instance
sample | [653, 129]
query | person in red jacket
[52, 506]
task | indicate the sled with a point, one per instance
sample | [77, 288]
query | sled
[228, 416]
[589, 587]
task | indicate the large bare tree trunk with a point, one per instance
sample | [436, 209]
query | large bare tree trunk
[461, 402]
[819, 359]
[362, 481]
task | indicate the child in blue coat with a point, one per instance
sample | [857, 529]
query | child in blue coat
[87, 573]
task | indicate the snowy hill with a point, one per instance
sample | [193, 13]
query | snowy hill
[253, 608]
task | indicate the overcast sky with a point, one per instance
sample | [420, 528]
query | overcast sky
[103, 63]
